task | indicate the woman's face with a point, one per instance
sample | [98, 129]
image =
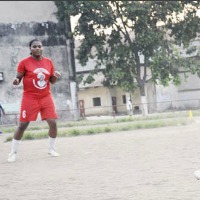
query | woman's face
[36, 49]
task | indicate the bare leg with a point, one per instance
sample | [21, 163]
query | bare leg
[16, 140]
[20, 130]
[52, 128]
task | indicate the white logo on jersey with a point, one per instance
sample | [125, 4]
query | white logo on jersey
[40, 83]
[24, 114]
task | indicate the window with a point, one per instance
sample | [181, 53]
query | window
[124, 99]
[97, 101]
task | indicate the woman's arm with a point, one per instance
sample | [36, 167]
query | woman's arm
[18, 78]
[54, 78]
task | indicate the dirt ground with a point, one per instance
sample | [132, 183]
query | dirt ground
[151, 164]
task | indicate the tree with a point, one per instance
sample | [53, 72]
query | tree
[129, 37]
[64, 17]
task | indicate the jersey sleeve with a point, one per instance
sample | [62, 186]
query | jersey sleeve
[21, 67]
[52, 68]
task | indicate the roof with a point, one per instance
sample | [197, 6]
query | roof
[97, 83]
[88, 67]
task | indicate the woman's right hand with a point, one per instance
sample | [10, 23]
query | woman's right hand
[16, 81]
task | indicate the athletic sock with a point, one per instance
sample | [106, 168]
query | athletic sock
[14, 146]
[52, 143]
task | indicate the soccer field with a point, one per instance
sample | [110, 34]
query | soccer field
[150, 164]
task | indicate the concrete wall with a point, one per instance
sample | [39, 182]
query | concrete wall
[27, 11]
[89, 93]
[187, 94]
[106, 94]
[184, 96]
[20, 22]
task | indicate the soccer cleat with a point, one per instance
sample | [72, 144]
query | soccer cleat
[197, 174]
[53, 153]
[12, 157]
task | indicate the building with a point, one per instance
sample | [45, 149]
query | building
[27, 20]
[98, 100]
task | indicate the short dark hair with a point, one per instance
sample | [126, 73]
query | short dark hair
[31, 42]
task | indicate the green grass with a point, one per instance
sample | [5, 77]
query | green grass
[90, 127]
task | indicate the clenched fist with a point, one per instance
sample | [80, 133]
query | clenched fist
[57, 74]
[16, 81]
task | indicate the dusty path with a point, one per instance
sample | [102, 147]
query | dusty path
[153, 164]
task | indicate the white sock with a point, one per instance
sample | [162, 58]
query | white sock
[14, 145]
[52, 143]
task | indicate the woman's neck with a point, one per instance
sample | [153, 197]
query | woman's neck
[37, 57]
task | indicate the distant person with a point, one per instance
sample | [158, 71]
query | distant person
[37, 73]
[129, 107]
[2, 112]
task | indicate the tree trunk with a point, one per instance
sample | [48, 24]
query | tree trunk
[72, 69]
[144, 103]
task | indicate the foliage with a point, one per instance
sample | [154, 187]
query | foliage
[89, 127]
[127, 37]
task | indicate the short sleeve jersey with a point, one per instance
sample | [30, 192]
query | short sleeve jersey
[36, 75]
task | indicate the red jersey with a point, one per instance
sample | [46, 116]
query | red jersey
[36, 75]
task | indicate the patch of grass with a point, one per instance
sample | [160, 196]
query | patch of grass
[28, 136]
[74, 132]
[8, 139]
[101, 126]
[8, 130]
[107, 129]
[138, 126]
[125, 128]
[90, 131]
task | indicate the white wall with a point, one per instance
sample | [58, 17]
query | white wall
[23, 20]
[186, 95]
[27, 11]
[165, 96]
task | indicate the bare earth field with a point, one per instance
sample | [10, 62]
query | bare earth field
[151, 164]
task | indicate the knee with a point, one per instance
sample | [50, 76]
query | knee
[23, 126]
[52, 123]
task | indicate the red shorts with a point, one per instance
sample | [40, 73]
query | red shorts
[31, 106]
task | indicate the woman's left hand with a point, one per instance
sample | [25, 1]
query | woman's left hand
[57, 74]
